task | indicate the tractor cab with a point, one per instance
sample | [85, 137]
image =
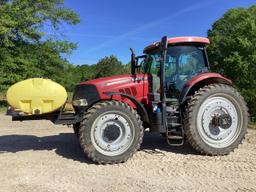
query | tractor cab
[185, 58]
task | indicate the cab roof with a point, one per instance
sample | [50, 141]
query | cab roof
[177, 40]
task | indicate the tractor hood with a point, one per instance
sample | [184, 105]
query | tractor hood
[110, 82]
[96, 89]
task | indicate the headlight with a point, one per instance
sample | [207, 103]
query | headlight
[80, 103]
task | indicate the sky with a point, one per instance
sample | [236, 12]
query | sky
[111, 27]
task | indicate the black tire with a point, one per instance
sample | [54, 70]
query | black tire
[192, 128]
[76, 129]
[87, 132]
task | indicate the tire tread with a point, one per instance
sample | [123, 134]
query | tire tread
[89, 151]
[190, 129]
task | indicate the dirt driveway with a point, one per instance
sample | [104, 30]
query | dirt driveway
[38, 156]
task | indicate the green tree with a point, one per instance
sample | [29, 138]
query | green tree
[26, 50]
[233, 48]
[109, 66]
[83, 73]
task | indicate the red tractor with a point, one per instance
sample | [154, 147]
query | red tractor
[171, 91]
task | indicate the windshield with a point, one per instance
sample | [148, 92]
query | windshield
[182, 63]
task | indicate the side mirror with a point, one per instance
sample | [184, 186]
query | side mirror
[133, 61]
[133, 56]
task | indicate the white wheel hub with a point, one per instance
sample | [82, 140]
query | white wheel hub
[213, 134]
[112, 133]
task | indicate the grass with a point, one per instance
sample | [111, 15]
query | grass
[70, 95]
[3, 102]
[2, 96]
[252, 125]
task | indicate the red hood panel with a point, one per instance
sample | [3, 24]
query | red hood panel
[110, 81]
[134, 85]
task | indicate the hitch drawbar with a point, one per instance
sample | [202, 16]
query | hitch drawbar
[57, 117]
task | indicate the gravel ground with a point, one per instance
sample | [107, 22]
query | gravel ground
[39, 156]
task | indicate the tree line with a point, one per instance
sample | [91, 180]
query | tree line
[27, 50]
[107, 66]
[232, 51]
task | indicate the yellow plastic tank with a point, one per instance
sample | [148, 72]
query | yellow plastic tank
[36, 96]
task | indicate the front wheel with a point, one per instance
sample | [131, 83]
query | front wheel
[216, 119]
[111, 132]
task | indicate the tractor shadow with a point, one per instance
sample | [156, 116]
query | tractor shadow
[154, 142]
[66, 145]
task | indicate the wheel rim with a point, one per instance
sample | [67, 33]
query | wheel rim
[215, 110]
[112, 133]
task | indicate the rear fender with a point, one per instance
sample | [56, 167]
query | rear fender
[199, 81]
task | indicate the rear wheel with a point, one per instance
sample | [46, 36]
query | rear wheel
[216, 119]
[111, 132]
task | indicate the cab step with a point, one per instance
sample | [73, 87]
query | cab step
[174, 125]
[175, 137]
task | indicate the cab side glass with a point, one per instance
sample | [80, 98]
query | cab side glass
[182, 63]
